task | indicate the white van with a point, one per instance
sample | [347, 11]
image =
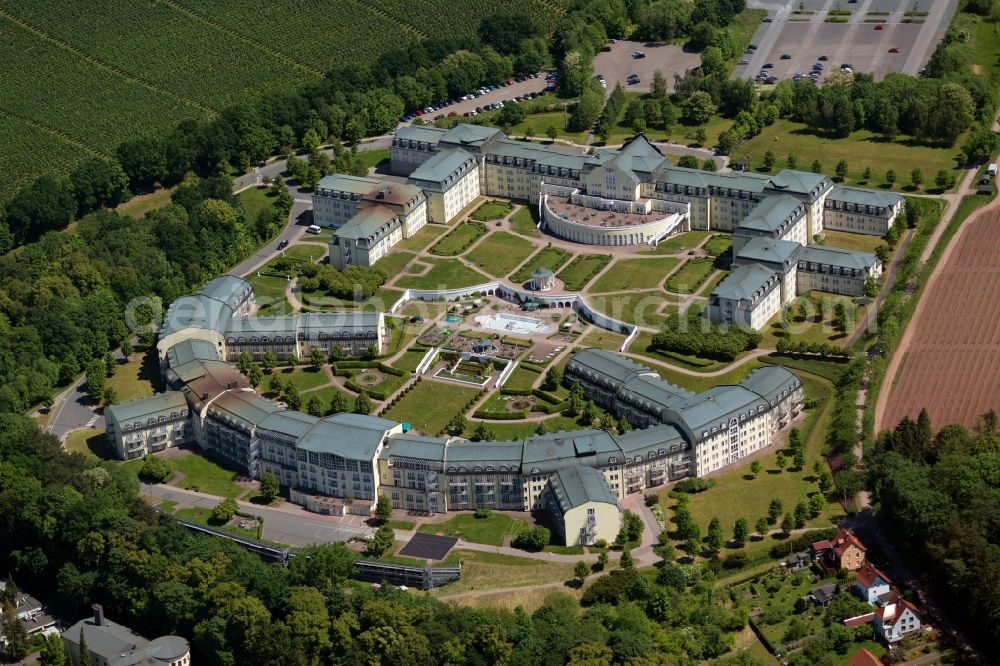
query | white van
[313, 229]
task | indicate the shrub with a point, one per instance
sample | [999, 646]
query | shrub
[694, 485]
[225, 510]
[533, 539]
[154, 469]
[483, 512]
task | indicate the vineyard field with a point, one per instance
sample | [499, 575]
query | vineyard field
[162, 46]
[316, 32]
[29, 151]
[437, 18]
[57, 89]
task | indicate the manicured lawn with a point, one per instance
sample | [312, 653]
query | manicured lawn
[458, 239]
[91, 442]
[255, 200]
[395, 262]
[511, 430]
[642, 345]
[485, 571]
[860, 150]
[582, 269]
[269, 291]
[690, 276]
[598, 337]
[371, 158]
[634, 274]
[737, 495]
[410, 359]
[679, 242]
[325, 396]
[206, 476]
[421, 239]
[430, 405]
[136, 379]
[524, 222]
[467, 527]
[550, 257]
[521, 378]
[444, 274]
[636, 307]
[303, 378]
[204, 516]
[492, 210]
[309, 252]
[405, 525]
[500, 253]
[539, 124]
[813, 327]
[718, 245]
[862, 242]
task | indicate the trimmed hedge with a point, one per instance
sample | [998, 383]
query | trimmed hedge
[507, 391]
[501, 416]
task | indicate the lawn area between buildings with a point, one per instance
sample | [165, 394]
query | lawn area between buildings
[395, 263]
[372, 158]
[430, 405]
[521, 378]
[458, 239]
[551, 258]
[634, 274]
[500, 253]
[718, 245]
[136, 379]
[524, 222]
[860, 150]
[493, 209]
[410, 359]
[582, 269]
[489, 571]
[89, 442]
[269, 292]
[325, 396]
[642, 346]
[537, 125]
[444, 274]
[598, 337]
[687, 240]
[420, 240]
[205, 476]
[862, 242]
[490, 531]
[813, 327]
[643, 308]
[689, 277]
[303, 378]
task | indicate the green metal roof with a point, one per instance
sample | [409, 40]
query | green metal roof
[422, 133]
[605, 367]
[651, 440]
[353, 436]
[473, 135]
[418, 447]
[243, 408]
[191, 350]
[800, 182]
[143, 409]
[552, 451]
[279, 325]
[195, 311]
[442, 165]
[369, 222]
[481, 454]
[745, 282]
[367, 320]
[288, 422]
[837, 256]
[771, 382]
[638, 156]
[730, 180]
[773, 213]
[341, 182]
[227, 289]
[577, 485]
[716, 406]
[863, 197]
[652, 394]
[768, 251]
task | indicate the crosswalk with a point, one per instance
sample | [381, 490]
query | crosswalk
[301, 200]
[93, 420]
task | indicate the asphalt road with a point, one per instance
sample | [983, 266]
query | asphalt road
[293, 527]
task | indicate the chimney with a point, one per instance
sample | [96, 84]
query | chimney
[98, 615]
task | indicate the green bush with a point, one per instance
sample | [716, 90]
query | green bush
[533, 539]
[154, 469]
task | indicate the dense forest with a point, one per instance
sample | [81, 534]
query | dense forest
[938, 494]
[76, 532]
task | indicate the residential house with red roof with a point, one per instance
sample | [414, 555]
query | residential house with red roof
[844, 551]
[871, 584]
[896, 619]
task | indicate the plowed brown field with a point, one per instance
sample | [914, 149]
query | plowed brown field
[952, 362]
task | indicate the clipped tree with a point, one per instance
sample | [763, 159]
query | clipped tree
[255, 375]
[338, 403]
[317, 358]
[788, 523]
[817, 503]
[553, 378]
[817, 166]
[755, 467]
[602, 560]
[315, 406]
[917, 178]
[580, 572]
[362, 404]
[799, 459]
[760, 527]
[383, 509]
[890, 177]
[741, 530]
[867, 175]
[292, 397]
[626, 561]
[270, 361]
[780, 460]
[769, 160]
[154, 469]
[774, 509]
[715, 539]
[801, 514]
[382, 541]
[841, 169]
[269, 487]
[97, 380]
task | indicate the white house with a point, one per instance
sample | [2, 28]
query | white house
[871, 584]
[895, 620]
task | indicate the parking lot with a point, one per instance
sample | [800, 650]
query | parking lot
[803, 33]
[617, 64]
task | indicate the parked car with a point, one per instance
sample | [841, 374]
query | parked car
[894, 50]
[282, 245]
[880, 26]
[771, 80]
[768, 65]
[822, 58]
[785, 56]
[744, 62]
[313, 229]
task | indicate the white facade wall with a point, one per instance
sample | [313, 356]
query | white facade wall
[730, 445]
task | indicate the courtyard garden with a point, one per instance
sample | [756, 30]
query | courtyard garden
[493, 209]
[582, 270]
[634, 274]
[500, 253]
[524, 222]
[691, 275]
[459, 239]
[551, 258]
[430, 405]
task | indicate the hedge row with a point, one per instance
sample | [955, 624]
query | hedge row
[342, 366]
[507, 391]
[501, 416]
[532, 367]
